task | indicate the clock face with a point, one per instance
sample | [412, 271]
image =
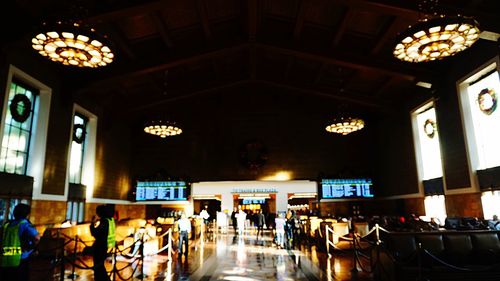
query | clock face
[430, 128]
[487, 101]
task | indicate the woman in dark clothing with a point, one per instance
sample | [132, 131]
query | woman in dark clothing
[233, 219]
[99, 229]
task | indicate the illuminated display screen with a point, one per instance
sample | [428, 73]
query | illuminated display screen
[161, 191]
[346, 188]
[253, 201]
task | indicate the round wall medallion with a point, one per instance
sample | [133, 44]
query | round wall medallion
[487, 101]
[20, 108]
[430, 128]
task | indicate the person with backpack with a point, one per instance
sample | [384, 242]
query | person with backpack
[19, 239]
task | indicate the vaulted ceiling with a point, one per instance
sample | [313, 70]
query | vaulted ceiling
[169, 50]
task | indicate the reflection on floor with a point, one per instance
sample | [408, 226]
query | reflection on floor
[233, 258]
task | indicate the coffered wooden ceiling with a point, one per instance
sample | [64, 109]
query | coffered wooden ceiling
[340, 49]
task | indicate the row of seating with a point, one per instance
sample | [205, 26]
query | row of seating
[454, 255]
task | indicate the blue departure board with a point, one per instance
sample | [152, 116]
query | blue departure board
[161, 191]
[346, 188]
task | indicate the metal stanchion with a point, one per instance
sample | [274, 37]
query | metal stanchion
[73, 275]
[169, 235]
[354, 269]
[419, 262]
[115, 269]
[327, 241]
[202, 234]
[61, 275]
[142, 276]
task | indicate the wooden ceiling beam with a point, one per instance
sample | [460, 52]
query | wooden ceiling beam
[162, 29]
[389, 31]
[342, 27]
[120, 40]
[488, 19]
[252, 61]
[201, 8]
[162, 102]
[252, 20]
[351, 98]
[288, 67]
[142, 9]
[363, 64]
[134, 73]
[380, 8]
[384, 87]
[216, 68]
[319, 74]
[342, 60]
[299, 22]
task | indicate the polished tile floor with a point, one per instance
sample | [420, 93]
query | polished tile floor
[232, 258]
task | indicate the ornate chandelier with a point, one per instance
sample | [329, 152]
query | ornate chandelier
[436, 38]
[162, 129]
[71, 43]
[345, 125]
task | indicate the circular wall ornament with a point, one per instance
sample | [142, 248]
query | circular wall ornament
[487, 101]
[430, 128]
[20, 108]
[79, 133]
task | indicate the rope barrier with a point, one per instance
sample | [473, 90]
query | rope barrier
[136, 261]
[485, 268]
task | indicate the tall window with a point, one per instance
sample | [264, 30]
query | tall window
[19, 123]
[427, 147]
[435, 207]
[490, 200]
[426, 138]
[480, 98]
[77, 148]
[76, 208]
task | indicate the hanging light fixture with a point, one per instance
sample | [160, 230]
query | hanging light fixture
[345, 125]
[70, 41]
[74, 44]
[162, 129]
[435, 36]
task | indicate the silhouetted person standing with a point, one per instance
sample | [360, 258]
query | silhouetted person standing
[233, 219]
[19, 239]
[103, 231]
[260, 221]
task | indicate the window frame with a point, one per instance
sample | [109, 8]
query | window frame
[467, 123]
[430, 103]
[83, 148]
[36, 163]
[88, 166]
[35, 92]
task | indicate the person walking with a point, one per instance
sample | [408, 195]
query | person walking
[184, 226]
[280, 230]
[103, 230]
[233, 219]
[260, 221]
[241, 219]
[205, 216]
[19, 239]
